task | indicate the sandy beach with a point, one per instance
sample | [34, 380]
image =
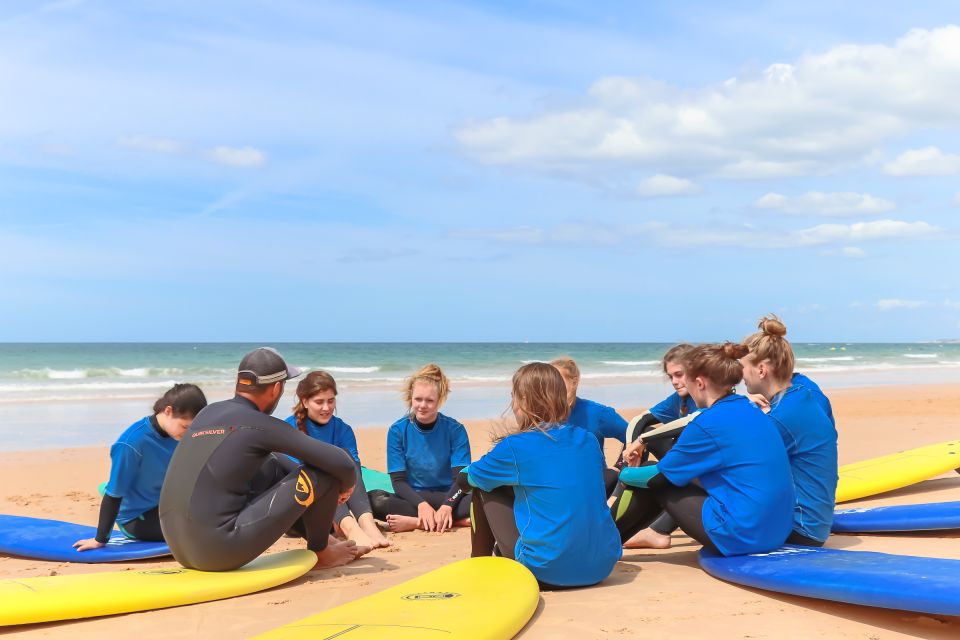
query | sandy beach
[649, 594]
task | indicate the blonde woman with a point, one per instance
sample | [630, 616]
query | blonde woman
[425, 452]
[539, 496]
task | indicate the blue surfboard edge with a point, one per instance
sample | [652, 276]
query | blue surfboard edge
[52, 540]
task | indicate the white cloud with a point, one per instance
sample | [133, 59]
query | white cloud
[826, 204]
[153, 145]
[888, 304]
[819, 113]
[852, 252]
[951, 304]
[929, 161]
[246, 157]
[664, 185]
[956, 198]
[860, 231]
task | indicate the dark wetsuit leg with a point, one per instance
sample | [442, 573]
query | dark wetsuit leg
[492, 522]
[664, 524]
[685, 505]
[384, 503]
[146, 527]
[634, 510]
[610, 479]
[359, 502]
[799, 538]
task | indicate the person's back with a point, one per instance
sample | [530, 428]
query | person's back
[567, 536]
[735, 451]
[598, 419]
[821, 398]
[811, 443]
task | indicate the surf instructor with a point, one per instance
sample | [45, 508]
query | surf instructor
[228, 496]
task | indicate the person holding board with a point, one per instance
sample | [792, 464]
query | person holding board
[228, 496]
[139, 460]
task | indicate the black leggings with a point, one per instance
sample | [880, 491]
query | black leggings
[385, 503]
[636, 509]
[493, 527]
[146, 527]
[283, 496]
[359, 502]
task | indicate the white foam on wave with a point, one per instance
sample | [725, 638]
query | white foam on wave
[351, 369]
[920, 355]
[629, 363]
[828, 359]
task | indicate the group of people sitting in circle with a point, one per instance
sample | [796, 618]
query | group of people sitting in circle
[741, 474]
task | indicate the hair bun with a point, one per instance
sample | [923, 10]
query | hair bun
[734, 351]
[773, 326]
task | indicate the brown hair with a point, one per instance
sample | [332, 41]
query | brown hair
[719, 363]
[770, 343]
[311, 385]
[568, 367]
[539, 396]
[676, 353]
[428, 373]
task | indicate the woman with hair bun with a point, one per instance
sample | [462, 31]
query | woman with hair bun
[426, 450]
[744, 501]
[314, 415]
[139, 460]
[806, 428]
[599, 419]
[539, 496]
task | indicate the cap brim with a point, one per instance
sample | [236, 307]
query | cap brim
[293, 372]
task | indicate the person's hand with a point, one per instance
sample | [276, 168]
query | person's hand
[760, 401]
[426, 517]
[633, 453]
[444, 518]
[345, 495]
[87, 544]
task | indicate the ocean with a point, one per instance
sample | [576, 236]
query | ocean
[80, 394]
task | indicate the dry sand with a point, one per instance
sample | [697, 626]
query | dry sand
[654, 594]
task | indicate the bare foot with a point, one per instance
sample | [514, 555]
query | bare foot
[354, 531]
[400, 524]
[337, 554]
[462, 522]
[648, 539]
[370, 528]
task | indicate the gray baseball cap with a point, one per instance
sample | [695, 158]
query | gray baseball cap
[264, 366]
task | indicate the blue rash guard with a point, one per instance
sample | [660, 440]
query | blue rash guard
[567, 535]
[811, 442]
[427, 456]
[735, 451]
[599, 419]
[820, 396]
[673, 408]
[139, 460]
[336, 432]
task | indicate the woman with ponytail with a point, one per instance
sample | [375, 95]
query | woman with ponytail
[426, 450]
[314, 415]
[744, 500]
[139, 460]
[800, 414]
[539, 496]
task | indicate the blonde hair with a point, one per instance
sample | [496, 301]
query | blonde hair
[770, 344]
[568, 368]
[428, 373]
[719, 363]
[539, 396]
[311, 385]
[676, 353]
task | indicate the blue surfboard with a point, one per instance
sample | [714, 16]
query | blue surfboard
[910, 583]
[908, 517]
[53, 540]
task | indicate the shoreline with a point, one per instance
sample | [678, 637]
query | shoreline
[663, 592]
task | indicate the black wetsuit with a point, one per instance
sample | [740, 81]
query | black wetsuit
[227, 496]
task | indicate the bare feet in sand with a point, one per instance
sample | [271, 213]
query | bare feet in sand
[365, 532]
[338, 554]
[648, 539]
[369, 526]
[401, 524]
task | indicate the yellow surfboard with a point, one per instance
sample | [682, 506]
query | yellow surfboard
[100, 594]
[488, 598]
[897, 470]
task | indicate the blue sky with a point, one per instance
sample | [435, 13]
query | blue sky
[478, 171]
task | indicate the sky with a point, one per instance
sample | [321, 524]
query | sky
[489, 171]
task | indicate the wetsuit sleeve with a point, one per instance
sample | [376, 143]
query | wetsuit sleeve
[612, 425]
[646, 422]
[459, 447]
[109, 508]
[455, 493]
[496, 469]
[348, 442]
[463, 480]
[640, 476]
[694, 455]
[403, 489]
[326, 457]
